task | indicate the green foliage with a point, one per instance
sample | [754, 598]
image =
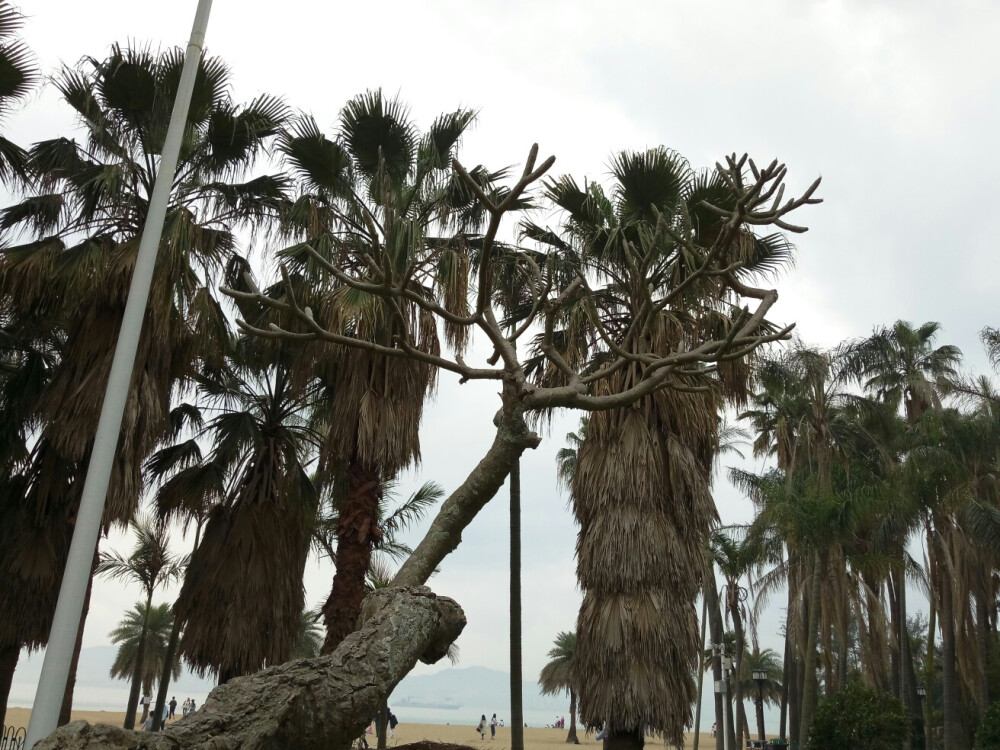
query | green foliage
[988, 735]
[858, 717]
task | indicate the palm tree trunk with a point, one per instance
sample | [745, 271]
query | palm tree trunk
[982, 682]
[894, 684]
[759, 702]
[175, 638]
[700, 672]
[382, 725]
[741, 719]
[140, 658]
[65, 712]
[356, 534]
[906, 681]
[161, 693]
[8, 663]
[571, 737]
[785, 674]
[950, 686]
[718, 636]
[516, 706]
[809, 688]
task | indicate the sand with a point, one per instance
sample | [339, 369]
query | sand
[534, 739]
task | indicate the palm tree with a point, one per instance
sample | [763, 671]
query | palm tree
[374, 194]
[558, 676]
[643, 473]
[128, 636]
[310, 636]
[768, 692]
[261, 506]
[18, 76]
[151, 565]
[71, 248]
[899, 366]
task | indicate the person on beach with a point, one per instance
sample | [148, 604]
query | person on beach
[393, 721]
[173, 707]
[493, 727]
[147, 725]
[481, 727]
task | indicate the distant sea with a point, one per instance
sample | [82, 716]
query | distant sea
[475, 690]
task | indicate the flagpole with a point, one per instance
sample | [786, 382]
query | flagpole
[66, 621]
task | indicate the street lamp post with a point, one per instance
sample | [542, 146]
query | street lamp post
[760, 677]
[69, 606]
[925, 711]
[721, 686]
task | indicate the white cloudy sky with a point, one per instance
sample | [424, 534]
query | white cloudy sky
[896, 103]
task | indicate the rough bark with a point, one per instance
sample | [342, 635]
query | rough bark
[950, 687]
[625, 740]
[462, 506]
[785, 672]
[161, 692]
[759, 703]
[140, 658]
[307, 704]
[357, 532]
[516, 706]
[982, 681]
[741, 719]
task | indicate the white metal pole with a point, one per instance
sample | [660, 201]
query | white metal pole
[66, 621]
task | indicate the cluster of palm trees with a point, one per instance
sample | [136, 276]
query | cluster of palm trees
[885, 476]
[269, 449]
[287, 431]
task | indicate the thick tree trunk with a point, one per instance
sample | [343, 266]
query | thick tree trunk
[809, 688]
[140, 658]
[66, 711]
[906, 683]
[718, 637]
[382, 725]
[625, 740]
[357, 532]
[8, 664]
[307, 704]
[894, 683]
[462, 506]
[516, 707]
[571, 738]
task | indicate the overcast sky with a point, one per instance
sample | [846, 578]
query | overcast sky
[895, 103]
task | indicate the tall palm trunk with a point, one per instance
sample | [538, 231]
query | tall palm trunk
[982, 681]
[382, 725]
[759, 703]
[571, 738]
[626, 739]
[140, 658]
[741, 719]
[175, 637]
[516, 707]
[66, 711]
[356, 535]
[701, 672]
[8, 664]
[950, 686]
[906, 675]
[718, 635]
[785, 673]
[810, 686]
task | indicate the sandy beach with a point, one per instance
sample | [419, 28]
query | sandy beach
[534, 739]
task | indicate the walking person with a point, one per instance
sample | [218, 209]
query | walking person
[173, 707]
[493, 727]
[393, 721]
[481, 727]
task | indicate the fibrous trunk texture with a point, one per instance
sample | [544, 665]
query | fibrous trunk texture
[308, 704]
[8, 664]
[571, 738]
[357, 532]
[641, 496]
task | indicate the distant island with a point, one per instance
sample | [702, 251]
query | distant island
[417, 703]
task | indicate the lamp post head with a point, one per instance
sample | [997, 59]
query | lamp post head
[760, 675]
[921, 692]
